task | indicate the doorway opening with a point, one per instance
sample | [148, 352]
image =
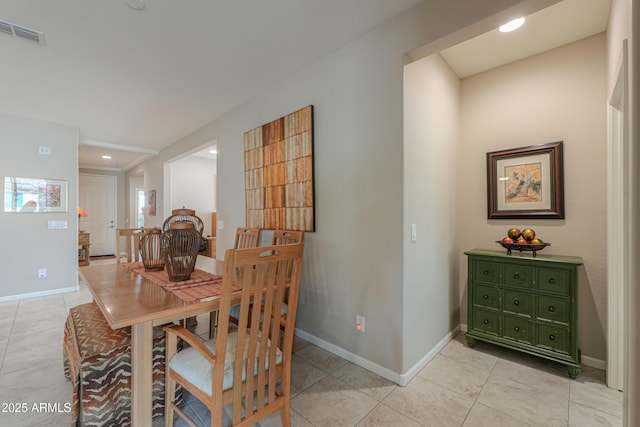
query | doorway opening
[140, 204]
[190, 182]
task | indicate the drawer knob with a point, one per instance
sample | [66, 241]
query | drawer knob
[552, 337]
[516, 328]
[516, 276]
[552, 280]
[516, 302]
[485, 272]
[485, 321]
[551, 309]
[485, 296]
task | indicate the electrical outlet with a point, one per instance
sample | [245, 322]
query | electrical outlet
[360, 323]
[220, 225]
[44, 149]
[414, 232]
[42, 273]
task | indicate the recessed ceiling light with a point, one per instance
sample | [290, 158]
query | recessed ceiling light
[135, 4]
[512, 25]
[106, 157]
[214, 151]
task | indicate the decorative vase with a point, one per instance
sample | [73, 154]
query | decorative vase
[180, 244]
[151, 250]
[184, 215]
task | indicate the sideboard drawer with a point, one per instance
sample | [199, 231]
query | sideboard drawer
[518, 302]
[487, 321]
[554, 309]
[518, 275]
[518, 329]
[487, 272]
[554, 280]
[554, 338]
[487, 296]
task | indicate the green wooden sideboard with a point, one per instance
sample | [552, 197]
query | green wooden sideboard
[525, 303]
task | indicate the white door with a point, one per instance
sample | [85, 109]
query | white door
[97, 195]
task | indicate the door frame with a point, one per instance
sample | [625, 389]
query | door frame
[618, 224]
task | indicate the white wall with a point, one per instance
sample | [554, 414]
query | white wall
[27, 242]
[559, 95]
[354, 261]
[431, 135]
[193, 186]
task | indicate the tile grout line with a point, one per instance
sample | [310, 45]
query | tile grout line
[378, 402]
[498, 358]
[6, 347]
[475, 400]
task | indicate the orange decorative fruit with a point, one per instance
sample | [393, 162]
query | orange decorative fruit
[514, 233]
[528, 234]
[536, 241]
[507, 240]
[522, 242]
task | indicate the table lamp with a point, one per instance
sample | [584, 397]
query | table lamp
[81, 213]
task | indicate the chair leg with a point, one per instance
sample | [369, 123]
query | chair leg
[285, 414]
[213, 324]
[169, 398]
[170, 384]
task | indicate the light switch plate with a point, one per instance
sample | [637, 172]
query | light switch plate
[52, 225]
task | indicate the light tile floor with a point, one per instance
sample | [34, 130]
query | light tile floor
[484, 386]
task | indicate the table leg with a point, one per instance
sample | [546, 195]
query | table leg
[141, 374]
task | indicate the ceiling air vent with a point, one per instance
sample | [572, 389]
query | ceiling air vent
[5, 27]
[22, 32]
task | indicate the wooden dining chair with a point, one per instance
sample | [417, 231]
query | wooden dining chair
[286, 237]
[245, 238]
[250, 367]
[128, 244]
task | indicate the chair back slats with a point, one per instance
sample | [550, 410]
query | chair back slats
[247, 238]
[128, 244]
[259, 349]
[287, 237]
[284, 237]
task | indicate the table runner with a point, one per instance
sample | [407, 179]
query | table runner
[200, 286]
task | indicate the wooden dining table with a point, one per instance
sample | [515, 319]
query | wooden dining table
[126, 298]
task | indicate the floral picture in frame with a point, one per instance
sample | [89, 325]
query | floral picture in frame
[152, 203]
[526, 182]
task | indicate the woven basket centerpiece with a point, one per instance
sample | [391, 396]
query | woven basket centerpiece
[151, 250]
[180, 244]
[184, 215]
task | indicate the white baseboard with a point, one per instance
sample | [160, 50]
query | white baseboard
[347, 355]
[593, 362]
[586, 360]
[400, 379]
[415, 369]
[39, 294]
